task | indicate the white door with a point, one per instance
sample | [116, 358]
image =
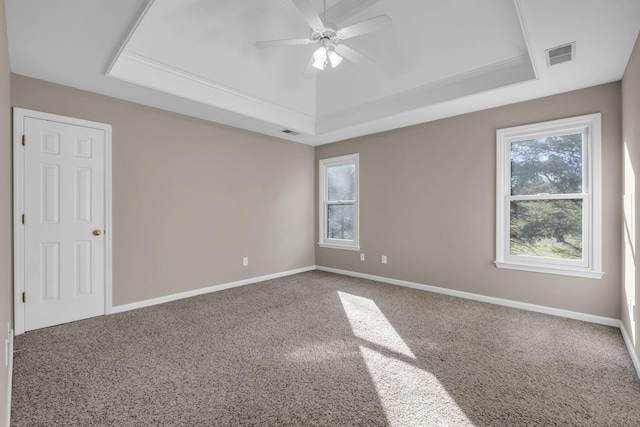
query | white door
[64, 208]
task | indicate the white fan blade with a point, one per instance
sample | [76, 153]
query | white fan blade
[369, 26]
[346, 9]
[278, 43]
[309, 71]
[354, 56]
[309, 14]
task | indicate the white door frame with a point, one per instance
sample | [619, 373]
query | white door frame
[19, 115]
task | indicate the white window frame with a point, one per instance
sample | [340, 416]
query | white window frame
[324, 204]
[591, 264]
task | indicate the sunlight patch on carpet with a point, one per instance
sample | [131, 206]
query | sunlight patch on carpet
[409, 395]
[370, 324]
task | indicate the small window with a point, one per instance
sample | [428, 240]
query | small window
[339, 202]
[548, 209]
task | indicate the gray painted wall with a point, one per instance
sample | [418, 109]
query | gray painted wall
[191, 198]
[427, 201]
[631, 170]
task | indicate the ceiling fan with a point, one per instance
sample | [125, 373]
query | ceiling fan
[328, 37]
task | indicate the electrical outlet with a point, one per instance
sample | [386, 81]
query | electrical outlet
[361, 257]
[245, 261]
[383, 259]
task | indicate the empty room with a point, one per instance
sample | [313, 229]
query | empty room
[319, 213]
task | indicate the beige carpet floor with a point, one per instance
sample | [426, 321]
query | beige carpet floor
[318, 349]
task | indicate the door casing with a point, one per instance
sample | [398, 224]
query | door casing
[19, 115]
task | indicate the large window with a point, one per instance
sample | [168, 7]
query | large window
[548, 204]
[339, 202]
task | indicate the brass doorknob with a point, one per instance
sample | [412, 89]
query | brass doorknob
[97, 232]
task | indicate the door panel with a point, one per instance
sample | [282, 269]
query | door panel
[64, 195]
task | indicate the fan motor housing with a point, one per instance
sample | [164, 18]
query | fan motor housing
[328, 33]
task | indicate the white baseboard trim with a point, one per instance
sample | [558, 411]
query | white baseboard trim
[201, 291]
[451, 292]
[632, 351]
[10, 377]
[482, 298]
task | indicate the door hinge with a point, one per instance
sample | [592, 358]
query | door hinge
[24, 297]
[24, 139]
[23, 219]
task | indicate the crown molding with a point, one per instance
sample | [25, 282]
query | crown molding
[137, 69]
[494, 76]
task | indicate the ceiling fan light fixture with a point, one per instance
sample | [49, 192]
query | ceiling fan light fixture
[328, 37]
[320, 58]
[320, 55]
[334, 58]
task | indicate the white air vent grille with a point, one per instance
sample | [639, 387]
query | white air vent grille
[559, 54]
[290, 132]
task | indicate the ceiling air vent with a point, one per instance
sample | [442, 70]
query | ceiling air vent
[291, 132]
[559, 54]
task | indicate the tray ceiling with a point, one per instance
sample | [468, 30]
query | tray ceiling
[439, 58]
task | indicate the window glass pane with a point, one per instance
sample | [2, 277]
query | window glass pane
[547, 165]
[547, 228]
[341, 182]
[340, 222]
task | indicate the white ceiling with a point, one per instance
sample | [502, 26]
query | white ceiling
[439, 58]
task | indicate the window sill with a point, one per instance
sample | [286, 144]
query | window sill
[565, 271]
[333, 246]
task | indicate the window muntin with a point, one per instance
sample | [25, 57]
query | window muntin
[338, 190]
[548, 197]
